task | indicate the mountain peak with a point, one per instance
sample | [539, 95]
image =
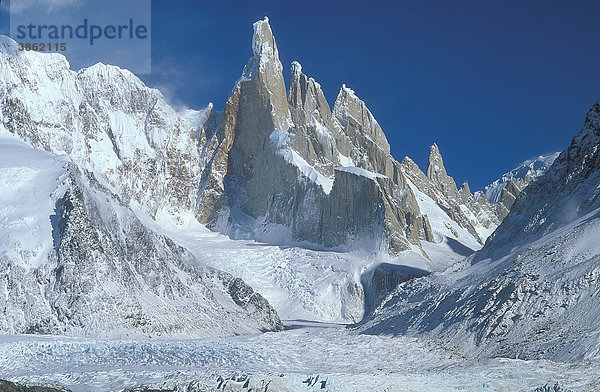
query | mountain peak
[263, 41]
[435, 166]
[348, 107]
[296, 68]
[434, 151]
[586, 142]
[593, 116]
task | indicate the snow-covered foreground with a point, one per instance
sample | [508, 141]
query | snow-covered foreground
[286, 360]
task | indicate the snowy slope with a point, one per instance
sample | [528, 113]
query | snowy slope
[312, 284]
[108, 123]
[31, 181]
[532, 291]
[75, 260]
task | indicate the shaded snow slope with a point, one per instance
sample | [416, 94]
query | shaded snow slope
[532, 291]
[30, 181]
[312, 284]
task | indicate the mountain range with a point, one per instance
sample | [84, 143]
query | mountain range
[105, 185]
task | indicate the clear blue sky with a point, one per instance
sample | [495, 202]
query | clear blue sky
[492, 83]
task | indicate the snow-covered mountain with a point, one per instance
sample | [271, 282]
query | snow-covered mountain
[76, 260]
[503, 192]
[531, 168]
[532, 291]
[276, 165]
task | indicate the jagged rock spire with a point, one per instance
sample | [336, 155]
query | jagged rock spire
[351, 112]
[298, 86]
[465, 188]
[305, 94]
[435, 166]
[263, 41]
[436, 172]
[464, 192]
[265, 69]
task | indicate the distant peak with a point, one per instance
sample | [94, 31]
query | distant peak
[435, 157]
[465, 188]
[296, 68]
[435, 165]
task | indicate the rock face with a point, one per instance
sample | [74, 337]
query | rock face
[278, 155]
[472, 212]
[509, 195]
[288, 165]
[531, 291]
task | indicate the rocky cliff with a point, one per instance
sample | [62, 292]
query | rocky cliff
[283, 166]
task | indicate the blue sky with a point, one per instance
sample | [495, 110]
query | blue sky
[492, 83]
